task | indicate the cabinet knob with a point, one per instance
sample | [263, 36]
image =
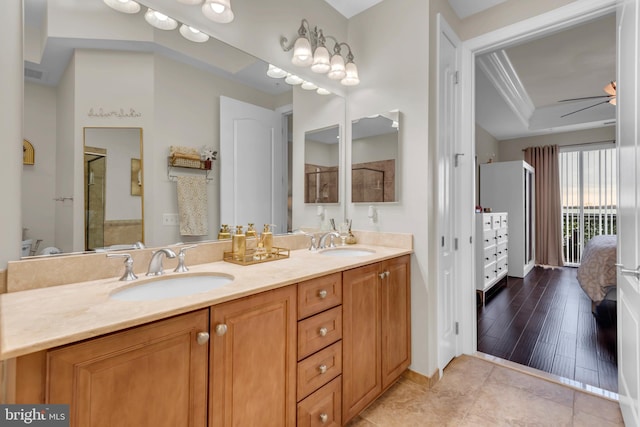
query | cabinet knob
[221, 329]
[324, 418]
[202, 337]
[322, 369]
[323, 332]
[381, 275]
[322, 294]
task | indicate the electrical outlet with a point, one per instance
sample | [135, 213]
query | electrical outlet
[169, 219]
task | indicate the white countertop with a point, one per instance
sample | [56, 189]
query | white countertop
[40, 319]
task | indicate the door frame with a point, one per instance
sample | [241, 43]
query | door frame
[575, 13]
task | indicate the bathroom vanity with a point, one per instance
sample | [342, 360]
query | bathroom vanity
[309, 340]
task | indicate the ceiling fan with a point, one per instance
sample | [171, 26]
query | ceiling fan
[609, 89]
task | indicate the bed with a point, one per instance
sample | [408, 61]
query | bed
[597, 271]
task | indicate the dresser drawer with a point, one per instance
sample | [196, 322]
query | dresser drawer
[319, 331]
[488, 238]
[318, 369]
[319, 294]
[489, 255]
[323, 408]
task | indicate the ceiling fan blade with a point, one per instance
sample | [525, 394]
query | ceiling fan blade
[586, 97]
[585, 108]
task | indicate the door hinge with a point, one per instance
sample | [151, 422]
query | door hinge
[470, 239]
[455, 244]
[457, 328]
[456, 77]
[442, 244]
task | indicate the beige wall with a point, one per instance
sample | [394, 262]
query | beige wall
[487, 148]
[511, 149]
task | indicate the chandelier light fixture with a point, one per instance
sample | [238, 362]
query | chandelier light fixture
[309, 50]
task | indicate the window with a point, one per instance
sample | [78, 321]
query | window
[588, 182]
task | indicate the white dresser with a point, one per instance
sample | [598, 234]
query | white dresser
[492, 236]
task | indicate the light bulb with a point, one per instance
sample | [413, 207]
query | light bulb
[218, 11]
[160, 20]
[302, 55]
[193, 34]
[321, 60]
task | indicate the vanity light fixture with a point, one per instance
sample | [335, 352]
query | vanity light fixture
[294, 80]
[193, 34]
[275, 72]
[160, 20]
[218, 11]
[124, 6]
[309, 50]
[308, 86]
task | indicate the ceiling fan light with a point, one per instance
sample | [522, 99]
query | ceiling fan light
[124, 6]
[160, 20]
[193, 34]
[218, 11]
[610, 89]
[275, 72]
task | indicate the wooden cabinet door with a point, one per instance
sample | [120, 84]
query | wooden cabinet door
[152, 375]
[361, 377]
[396, 319]
[253, 361]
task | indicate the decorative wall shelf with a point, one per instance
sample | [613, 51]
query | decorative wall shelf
[179, 162]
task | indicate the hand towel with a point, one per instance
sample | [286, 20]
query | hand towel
[177, 149]
[192, 205]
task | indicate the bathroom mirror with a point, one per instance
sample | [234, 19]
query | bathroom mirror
[161, 83]
[321, 165]
[374, 158]
[113, 198]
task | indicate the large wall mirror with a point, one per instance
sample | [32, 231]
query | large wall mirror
[322, 165]
[88, 66]
[374, 158]
[113, 198]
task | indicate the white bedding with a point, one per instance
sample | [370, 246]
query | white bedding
[597, 271]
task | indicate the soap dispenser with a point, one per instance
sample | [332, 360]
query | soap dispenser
[239, 244]
[267, 239]
[224, 232]
[251, 232]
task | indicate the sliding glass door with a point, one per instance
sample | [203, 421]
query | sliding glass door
[588, 186]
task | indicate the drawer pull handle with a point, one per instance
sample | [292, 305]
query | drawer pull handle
[322, 369]
[324, 418]
[202, 337]
[221, 329]
[381, 275]
[322, 294]
[323, 332]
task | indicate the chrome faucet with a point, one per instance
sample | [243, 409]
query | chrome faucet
[155, 265]
[322, 244]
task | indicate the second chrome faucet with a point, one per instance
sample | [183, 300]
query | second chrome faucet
[155, 265]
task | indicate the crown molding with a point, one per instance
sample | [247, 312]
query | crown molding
[500, 72]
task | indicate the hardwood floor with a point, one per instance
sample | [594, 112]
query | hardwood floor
[545, 321]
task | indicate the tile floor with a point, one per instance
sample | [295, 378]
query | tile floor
[476, 392]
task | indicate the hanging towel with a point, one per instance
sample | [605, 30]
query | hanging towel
[192, 205]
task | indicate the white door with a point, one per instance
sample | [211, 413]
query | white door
[252, 166]
[447, 137]
[628, 96]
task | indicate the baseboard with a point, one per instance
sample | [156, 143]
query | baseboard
[426, 381]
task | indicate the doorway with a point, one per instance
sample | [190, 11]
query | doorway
[547, 23]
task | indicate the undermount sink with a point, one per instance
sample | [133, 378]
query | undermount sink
[171, 287]
[347, 252]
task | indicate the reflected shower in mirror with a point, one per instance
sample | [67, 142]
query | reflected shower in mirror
[113, 197]
[374, 157]
[321, 160]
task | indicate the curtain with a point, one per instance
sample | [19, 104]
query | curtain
[548, 208]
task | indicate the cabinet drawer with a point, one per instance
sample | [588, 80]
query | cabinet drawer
[490, 272]
[503, 221]
[502, 250]
[318, 369]
[323, 408]
[486, 222]
[502, 235]
[495, 219]
[319, 331]
[488, 238]
[489, 255]
[501, 266]
[319, 294]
